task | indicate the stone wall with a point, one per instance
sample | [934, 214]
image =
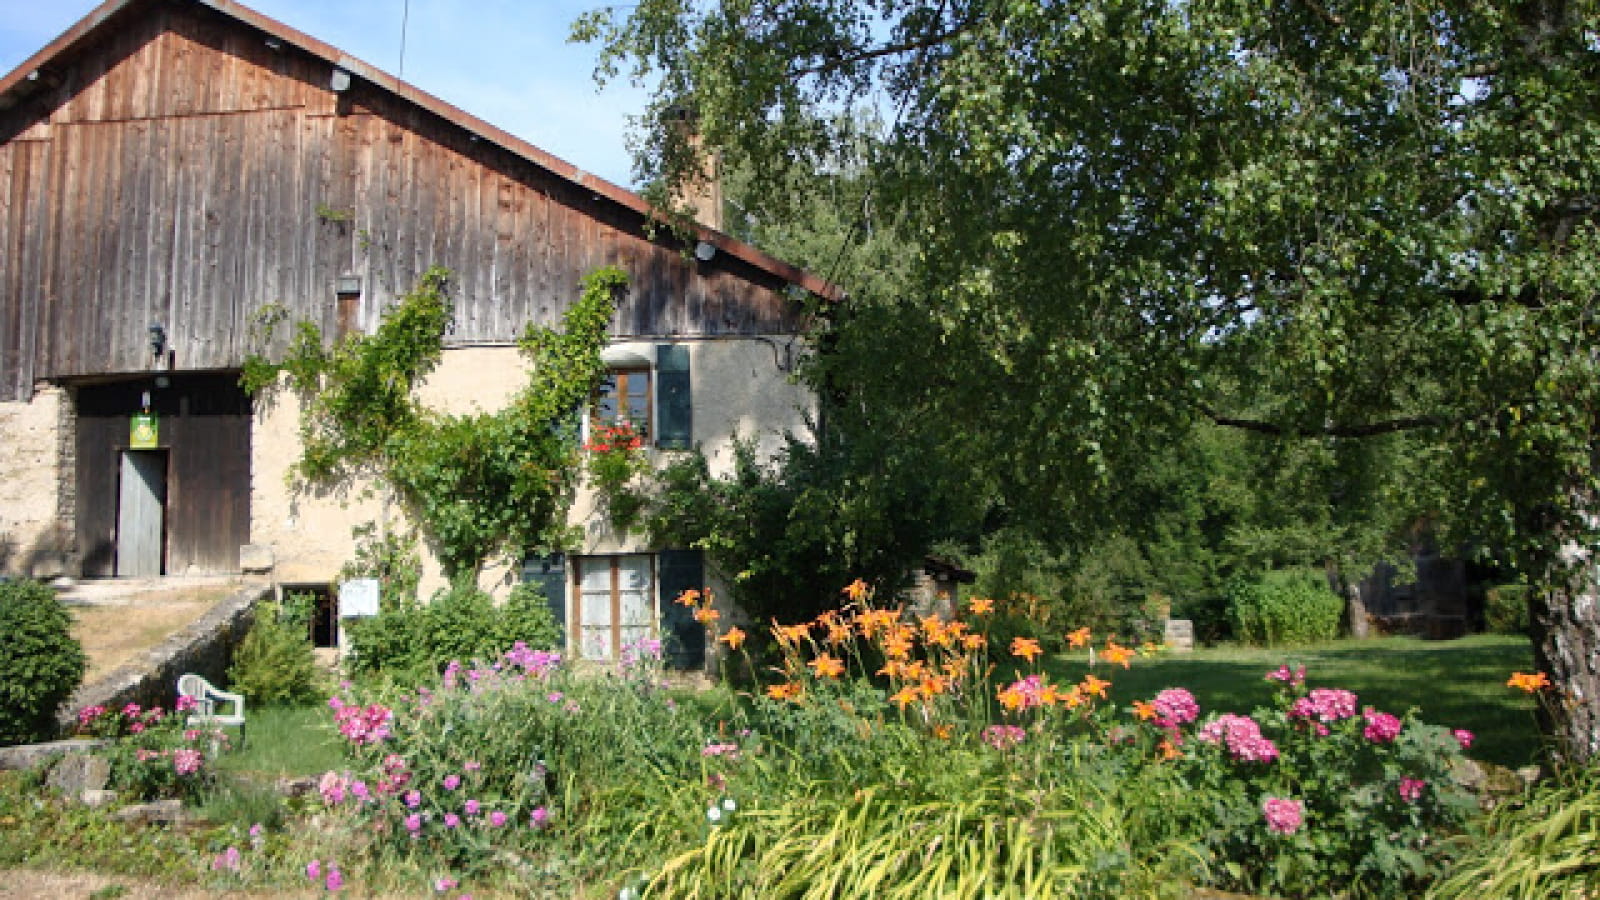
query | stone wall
[151, 679]
[34, 542]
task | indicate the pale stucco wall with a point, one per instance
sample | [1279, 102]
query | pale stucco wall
[33, 540]
[738, 387]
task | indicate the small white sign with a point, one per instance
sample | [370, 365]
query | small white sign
[358, 597]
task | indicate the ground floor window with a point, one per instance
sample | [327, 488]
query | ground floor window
[615, 604]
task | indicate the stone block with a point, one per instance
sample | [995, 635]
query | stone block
[161, 812]
[80, 772]
[97, 799]
[1178, 634]
[26, 756]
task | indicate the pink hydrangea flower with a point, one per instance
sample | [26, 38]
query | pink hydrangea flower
[1382, 728]
[1283, 815]
[187, 761]
[1411, 789]
[1463, 737]
[1176, 706]
[1242, 736]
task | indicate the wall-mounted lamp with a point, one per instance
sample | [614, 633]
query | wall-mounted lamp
[704, 251]
[158, 340]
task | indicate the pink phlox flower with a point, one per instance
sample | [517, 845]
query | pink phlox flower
[136, 728]
[89, 714]
[451, 820]
[1411, 789]
[333, 787]
[451, 781]
[314, 869]
[497, 819]
[1283, 815]
[1176, 706]
[1030, 689]
[335, 879]
[413, 823]
[1463, 737]
[538, 817]
[1382, 728]
[1003, 737]
[471, 807]
[187, 761]
[413, 799]
[132, 710]
[1242, 736]
[1325, 705]
[1293, 677]
[452, 673]
[227, 859]
[363, 726]
[185, 703]
[440, 885]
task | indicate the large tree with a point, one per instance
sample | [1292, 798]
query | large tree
[1373, 216]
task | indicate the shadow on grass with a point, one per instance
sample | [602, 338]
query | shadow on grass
[1457, 684]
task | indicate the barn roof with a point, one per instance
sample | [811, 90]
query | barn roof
[35, 74]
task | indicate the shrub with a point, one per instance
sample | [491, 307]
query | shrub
[41, 663]
[1284, 606]
[274, 664]
[414, 643]
[1505, 609]
[152, 751]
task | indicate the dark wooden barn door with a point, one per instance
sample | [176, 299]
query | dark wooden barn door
[203, 422]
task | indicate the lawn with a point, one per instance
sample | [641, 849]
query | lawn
[286, 741]
[1458, 684]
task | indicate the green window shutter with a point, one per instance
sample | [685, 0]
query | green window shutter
[674, 406]
[549, 572]
[683, 640]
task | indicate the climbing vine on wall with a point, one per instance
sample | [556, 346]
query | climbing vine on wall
[474, 484]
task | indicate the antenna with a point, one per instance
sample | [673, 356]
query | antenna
[405, 19]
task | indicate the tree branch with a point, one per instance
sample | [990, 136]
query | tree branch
[923, 43]
[1367, 429]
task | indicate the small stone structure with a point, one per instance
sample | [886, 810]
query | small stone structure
[204, 647]
[1178, 635]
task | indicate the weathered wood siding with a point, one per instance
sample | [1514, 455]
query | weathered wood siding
[185, 172]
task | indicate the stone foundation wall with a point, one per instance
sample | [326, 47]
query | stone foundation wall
[35, 534]
[204, 647]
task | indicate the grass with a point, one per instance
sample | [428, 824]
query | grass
[285, 741]
[1458, 684]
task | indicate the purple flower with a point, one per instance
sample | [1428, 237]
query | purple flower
[227, 859]
[451, 820]
[314, 869]
[1283, 815]
[538, 817]
[440, 885]
[497, 818]
[335, 879]
[413, 799]
[451, 782]
[471, 808]
[1382, 728]
[1411, 789]
[414, 823]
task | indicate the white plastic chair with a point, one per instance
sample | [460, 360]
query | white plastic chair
[206, 697]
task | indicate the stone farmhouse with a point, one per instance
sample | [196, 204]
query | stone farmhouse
[170, 168]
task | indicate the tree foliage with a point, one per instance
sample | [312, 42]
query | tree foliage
[1336, 220]
[474, 484]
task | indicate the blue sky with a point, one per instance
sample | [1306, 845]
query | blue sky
[505, 61]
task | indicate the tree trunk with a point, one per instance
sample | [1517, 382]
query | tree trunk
[1355, 605]
[1565, 618]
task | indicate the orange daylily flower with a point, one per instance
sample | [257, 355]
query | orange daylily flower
[980, 606]
[857, 590]
[1168, 749]
[1116, 654]
[1012, 699]
[790, 635]
[1027, 648]
[897, 646]
[1143, 710]
[788, 690]
[734, 638]
[893, 669]
[1073, 698]
[691, 597]
[905, 696]
[974, 641]
[1095, 686]
[826, 666]
[706, 616]
[933, 685]
[1529, 683]
[942, 732]
[1079, 638]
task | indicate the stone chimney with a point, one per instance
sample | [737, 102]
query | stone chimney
[701, 194]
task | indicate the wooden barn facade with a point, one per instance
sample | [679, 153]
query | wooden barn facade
[171, 169]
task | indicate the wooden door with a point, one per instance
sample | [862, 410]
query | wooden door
[141, 512]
